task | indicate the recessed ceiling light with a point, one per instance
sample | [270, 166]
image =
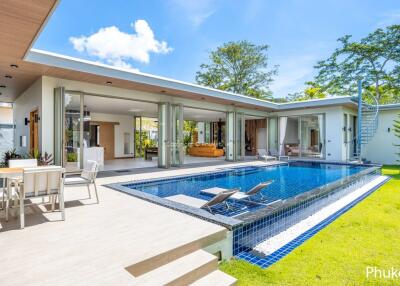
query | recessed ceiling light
[8, 76]
[2, 86]
[109, 82]
[14, 66]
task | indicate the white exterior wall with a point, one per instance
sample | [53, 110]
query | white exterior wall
[333, 129]
[125, 126]
[381, 149]
[29, 100]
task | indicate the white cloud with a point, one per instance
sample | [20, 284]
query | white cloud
[115, 47]
[195, 11]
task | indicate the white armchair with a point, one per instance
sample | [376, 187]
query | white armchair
[87, 177]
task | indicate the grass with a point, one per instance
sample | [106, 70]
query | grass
[367, 235]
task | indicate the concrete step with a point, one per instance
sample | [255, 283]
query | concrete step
[163, 258]
[216, 278]
[182, 271]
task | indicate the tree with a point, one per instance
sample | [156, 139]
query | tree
[375, 60]
[312, 91]
[240, 67]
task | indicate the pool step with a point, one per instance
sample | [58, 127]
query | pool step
[216, 278]
[151, 263]
[182, 271]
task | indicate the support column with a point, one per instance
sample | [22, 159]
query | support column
[58, 125]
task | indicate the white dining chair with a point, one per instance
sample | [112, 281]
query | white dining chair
[87, 177]
[22, 163]
[9, 183]
[40, 182]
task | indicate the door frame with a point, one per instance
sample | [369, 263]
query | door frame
[33, 134]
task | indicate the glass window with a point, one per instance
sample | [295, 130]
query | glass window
[72, 131]
[290, 143]
[312, 136]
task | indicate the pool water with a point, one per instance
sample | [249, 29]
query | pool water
[289, 180]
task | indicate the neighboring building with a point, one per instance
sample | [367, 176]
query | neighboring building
[79, 110]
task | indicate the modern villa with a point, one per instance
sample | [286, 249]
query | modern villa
[81, 111]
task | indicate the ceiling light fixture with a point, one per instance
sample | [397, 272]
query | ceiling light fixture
[134, 110]
[8, 76]
[14, 66]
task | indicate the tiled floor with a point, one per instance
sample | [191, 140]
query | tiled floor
[97, 241]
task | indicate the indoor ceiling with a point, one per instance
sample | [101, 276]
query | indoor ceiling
[97, 104]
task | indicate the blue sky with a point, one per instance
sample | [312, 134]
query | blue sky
[173, 37]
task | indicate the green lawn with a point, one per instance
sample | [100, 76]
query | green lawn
[367, 235]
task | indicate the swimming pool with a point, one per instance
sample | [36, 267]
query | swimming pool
[289, 180]
[299, 189]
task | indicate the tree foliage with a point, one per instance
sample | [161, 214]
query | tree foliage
[374, 59]
[240, 67]
[312, 91]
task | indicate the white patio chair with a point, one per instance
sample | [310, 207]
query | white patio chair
[9, 183]
[87, 177]
[40, 182]
[22, 163]
[263, 154]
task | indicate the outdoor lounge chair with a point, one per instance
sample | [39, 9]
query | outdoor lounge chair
[220, 198]
[263, 154]
[241, 195]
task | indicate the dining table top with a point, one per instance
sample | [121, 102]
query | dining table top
[11, 170]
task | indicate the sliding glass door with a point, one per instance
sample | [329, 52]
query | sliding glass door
[73, 131]
[302, 136]
[177, 154]
[312, 136]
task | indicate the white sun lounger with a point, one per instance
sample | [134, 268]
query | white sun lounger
[239, 195]
[263, 154]
[203, 204]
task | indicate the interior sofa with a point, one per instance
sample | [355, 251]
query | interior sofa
[205, 150]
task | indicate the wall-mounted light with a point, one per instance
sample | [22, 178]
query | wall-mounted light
[8, 76]
[14, 66]
[349, 129]
[344, 129]
[109, 82]
[27, 121]
[2, 86]
[388, 130]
